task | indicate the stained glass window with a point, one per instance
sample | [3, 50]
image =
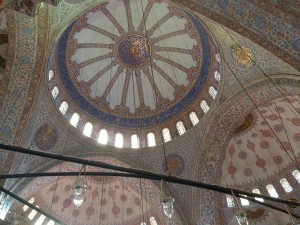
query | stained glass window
[40, 220]
[256, 191]
[212, 92]
[230, 200]
[51, 74]
[153, 221]
[286, 185]
[55, 92]
[194, 118]
[63, 108]
[204, 106]
[217, 76]
[166, 134]
[180, 128]
[74, 119]
[135, 141]
[296, 174]
[32, 214]
[87, 130]
[103, 137]
[272, 191]
[151, 140]
[119, 140]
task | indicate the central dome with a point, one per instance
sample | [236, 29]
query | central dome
[134, 50]
[133, 65]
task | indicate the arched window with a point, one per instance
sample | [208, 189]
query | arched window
[153, 221]
[212, 92]
[55, 92]
[151, 140]
[180, 128]
[166, 134]
[204, 106]
[25, 207]
[296, 174]
[217, 76]
[218, 57]
[40, 220]
[230, 200]
[119, 140]
[194, 118]
[256, 191]
[32, 214]
[74, 119]
[272, 191]
[135, 141]
[87, 130]
[51, 74]
[103, 137]
[286, 185]
[244, 201]
[63, 108]
[51, 222]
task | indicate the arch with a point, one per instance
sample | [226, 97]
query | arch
[180, 128]
[88, 129]
[194, 118]
[296, 175]
[40, 220]
[166, 134]
[286, 185]
[63, 108]
[217, 76]
[151, 142]
[272, 191]
[103, 137]
[74, 119]
[32, 214]
[55, 92]
[230, 200]
[257, 191]
[50, 74]
[119, 140]
[135, 141]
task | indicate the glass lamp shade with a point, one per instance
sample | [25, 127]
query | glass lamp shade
[79, 190]
[168, 206]
[241, 217]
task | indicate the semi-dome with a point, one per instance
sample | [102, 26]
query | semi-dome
[135, 66]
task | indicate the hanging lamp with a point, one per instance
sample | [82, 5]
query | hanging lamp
[167, 203]
[79, 191]
[241, 215]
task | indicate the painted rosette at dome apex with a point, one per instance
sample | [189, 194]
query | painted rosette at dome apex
[127, 72]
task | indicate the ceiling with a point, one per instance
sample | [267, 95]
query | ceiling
[103, 57]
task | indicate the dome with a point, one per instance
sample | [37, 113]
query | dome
[135, 67]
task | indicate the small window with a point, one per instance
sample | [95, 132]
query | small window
[244, 201]
[151, 140]
[166, 134]
[204, 106]
[256, 191]
[286, 185]
[63, 108]
[25, 207]
[32, 214]
[51, 74]
[119, 140]
[40, 220]
[296, 174]
[230, 200]
[87, 130]
[55, 92]
[180, 128]
[272, 191]
[103, 137]
[74, 119]
[218, 57]
[212, 92]
[194, 118]
[135, 141]
[217, 76]
[51, 222]
[153, 221]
